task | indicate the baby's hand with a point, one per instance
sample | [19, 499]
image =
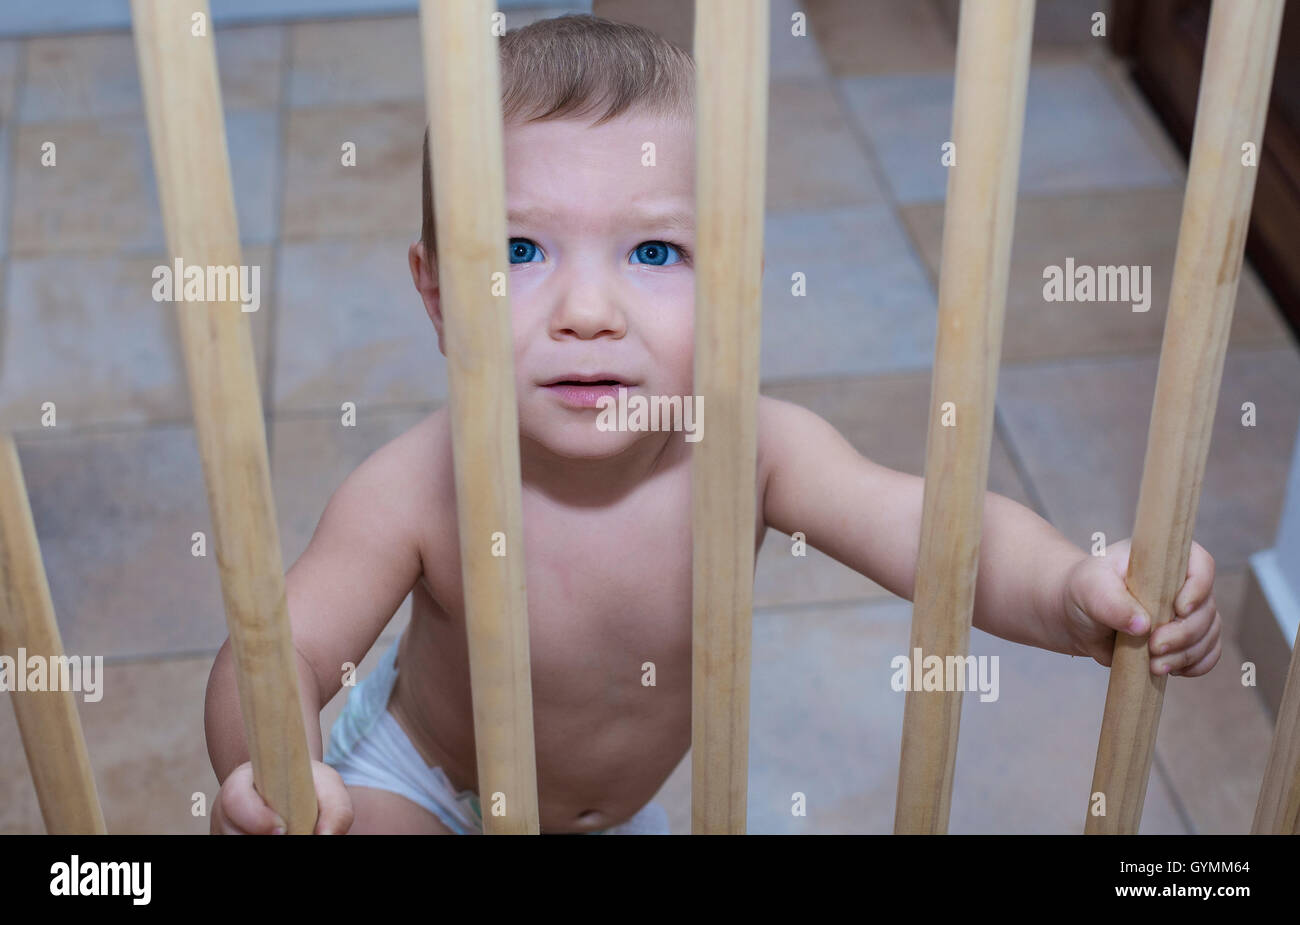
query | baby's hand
[1097, 603]
[240, 810]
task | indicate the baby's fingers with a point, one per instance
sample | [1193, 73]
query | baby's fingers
[1182, 632]
[1194, 658]
[1208, 661]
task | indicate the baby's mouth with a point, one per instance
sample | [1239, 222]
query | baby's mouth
[586, 393]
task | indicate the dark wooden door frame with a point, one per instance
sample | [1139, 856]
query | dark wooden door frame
[1163, 42]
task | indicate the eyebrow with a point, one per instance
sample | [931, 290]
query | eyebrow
[671, 219]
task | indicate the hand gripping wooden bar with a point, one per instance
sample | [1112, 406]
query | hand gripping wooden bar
[463, 89]
[47, 720]
[731, 55]
[178, 73]
[1240, 52]
[988, 120]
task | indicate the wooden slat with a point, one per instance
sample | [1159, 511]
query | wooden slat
[47, 720]
[1240, 52]
[731, 54]
[178, 74]
[1278, 809]
[988, 120]
[463, 89]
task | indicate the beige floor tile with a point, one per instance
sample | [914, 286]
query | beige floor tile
[825, 722]
[85, 333]
[813, 159]
[80, 77]
[879, 36]
[351, 328]
[6, 139]
[355, 61]
[866, 304]
[794, 56]
[70, 77]
[147, 748]
[10, 55]
[250, 60]
[380, 195]
[1077, 137]
[115, 513]
[1080, 431]
[1104, 228]
[1138, 112]
[1025, 761]
[100, 195]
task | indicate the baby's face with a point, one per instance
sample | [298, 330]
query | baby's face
[602, 280]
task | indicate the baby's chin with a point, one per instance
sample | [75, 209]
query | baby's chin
[583, 440]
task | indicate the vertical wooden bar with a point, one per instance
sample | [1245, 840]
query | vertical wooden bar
[1278, 809]
[47, 720]
[1240, 52]
[178, 73]
[731, 55]
[988, 118]
[463, 88]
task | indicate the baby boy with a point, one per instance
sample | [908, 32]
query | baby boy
[602, 293]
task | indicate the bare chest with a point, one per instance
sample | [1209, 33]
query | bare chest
[608, 590]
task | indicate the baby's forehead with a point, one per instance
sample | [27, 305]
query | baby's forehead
[634, 161]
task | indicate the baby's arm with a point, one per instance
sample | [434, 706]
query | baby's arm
[360, 564]
[869, 518]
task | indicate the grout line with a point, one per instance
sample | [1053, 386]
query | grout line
[1003, 433]
[852, 603]
[112, 428]
[159, 657]
[155, 251]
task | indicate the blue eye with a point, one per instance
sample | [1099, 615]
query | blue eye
[656, 253]
[522, 250]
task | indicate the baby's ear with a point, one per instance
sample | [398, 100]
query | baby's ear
[424, 273]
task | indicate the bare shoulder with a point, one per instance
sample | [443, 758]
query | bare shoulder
[400, 483]
[367, 552]
[414, 454]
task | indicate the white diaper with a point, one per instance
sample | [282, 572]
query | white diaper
[369, 748]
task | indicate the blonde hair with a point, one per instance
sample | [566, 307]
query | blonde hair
[582, 66]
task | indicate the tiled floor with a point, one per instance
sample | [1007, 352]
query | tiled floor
[859, 108]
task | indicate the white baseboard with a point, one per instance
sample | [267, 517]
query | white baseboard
[1283, 599]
